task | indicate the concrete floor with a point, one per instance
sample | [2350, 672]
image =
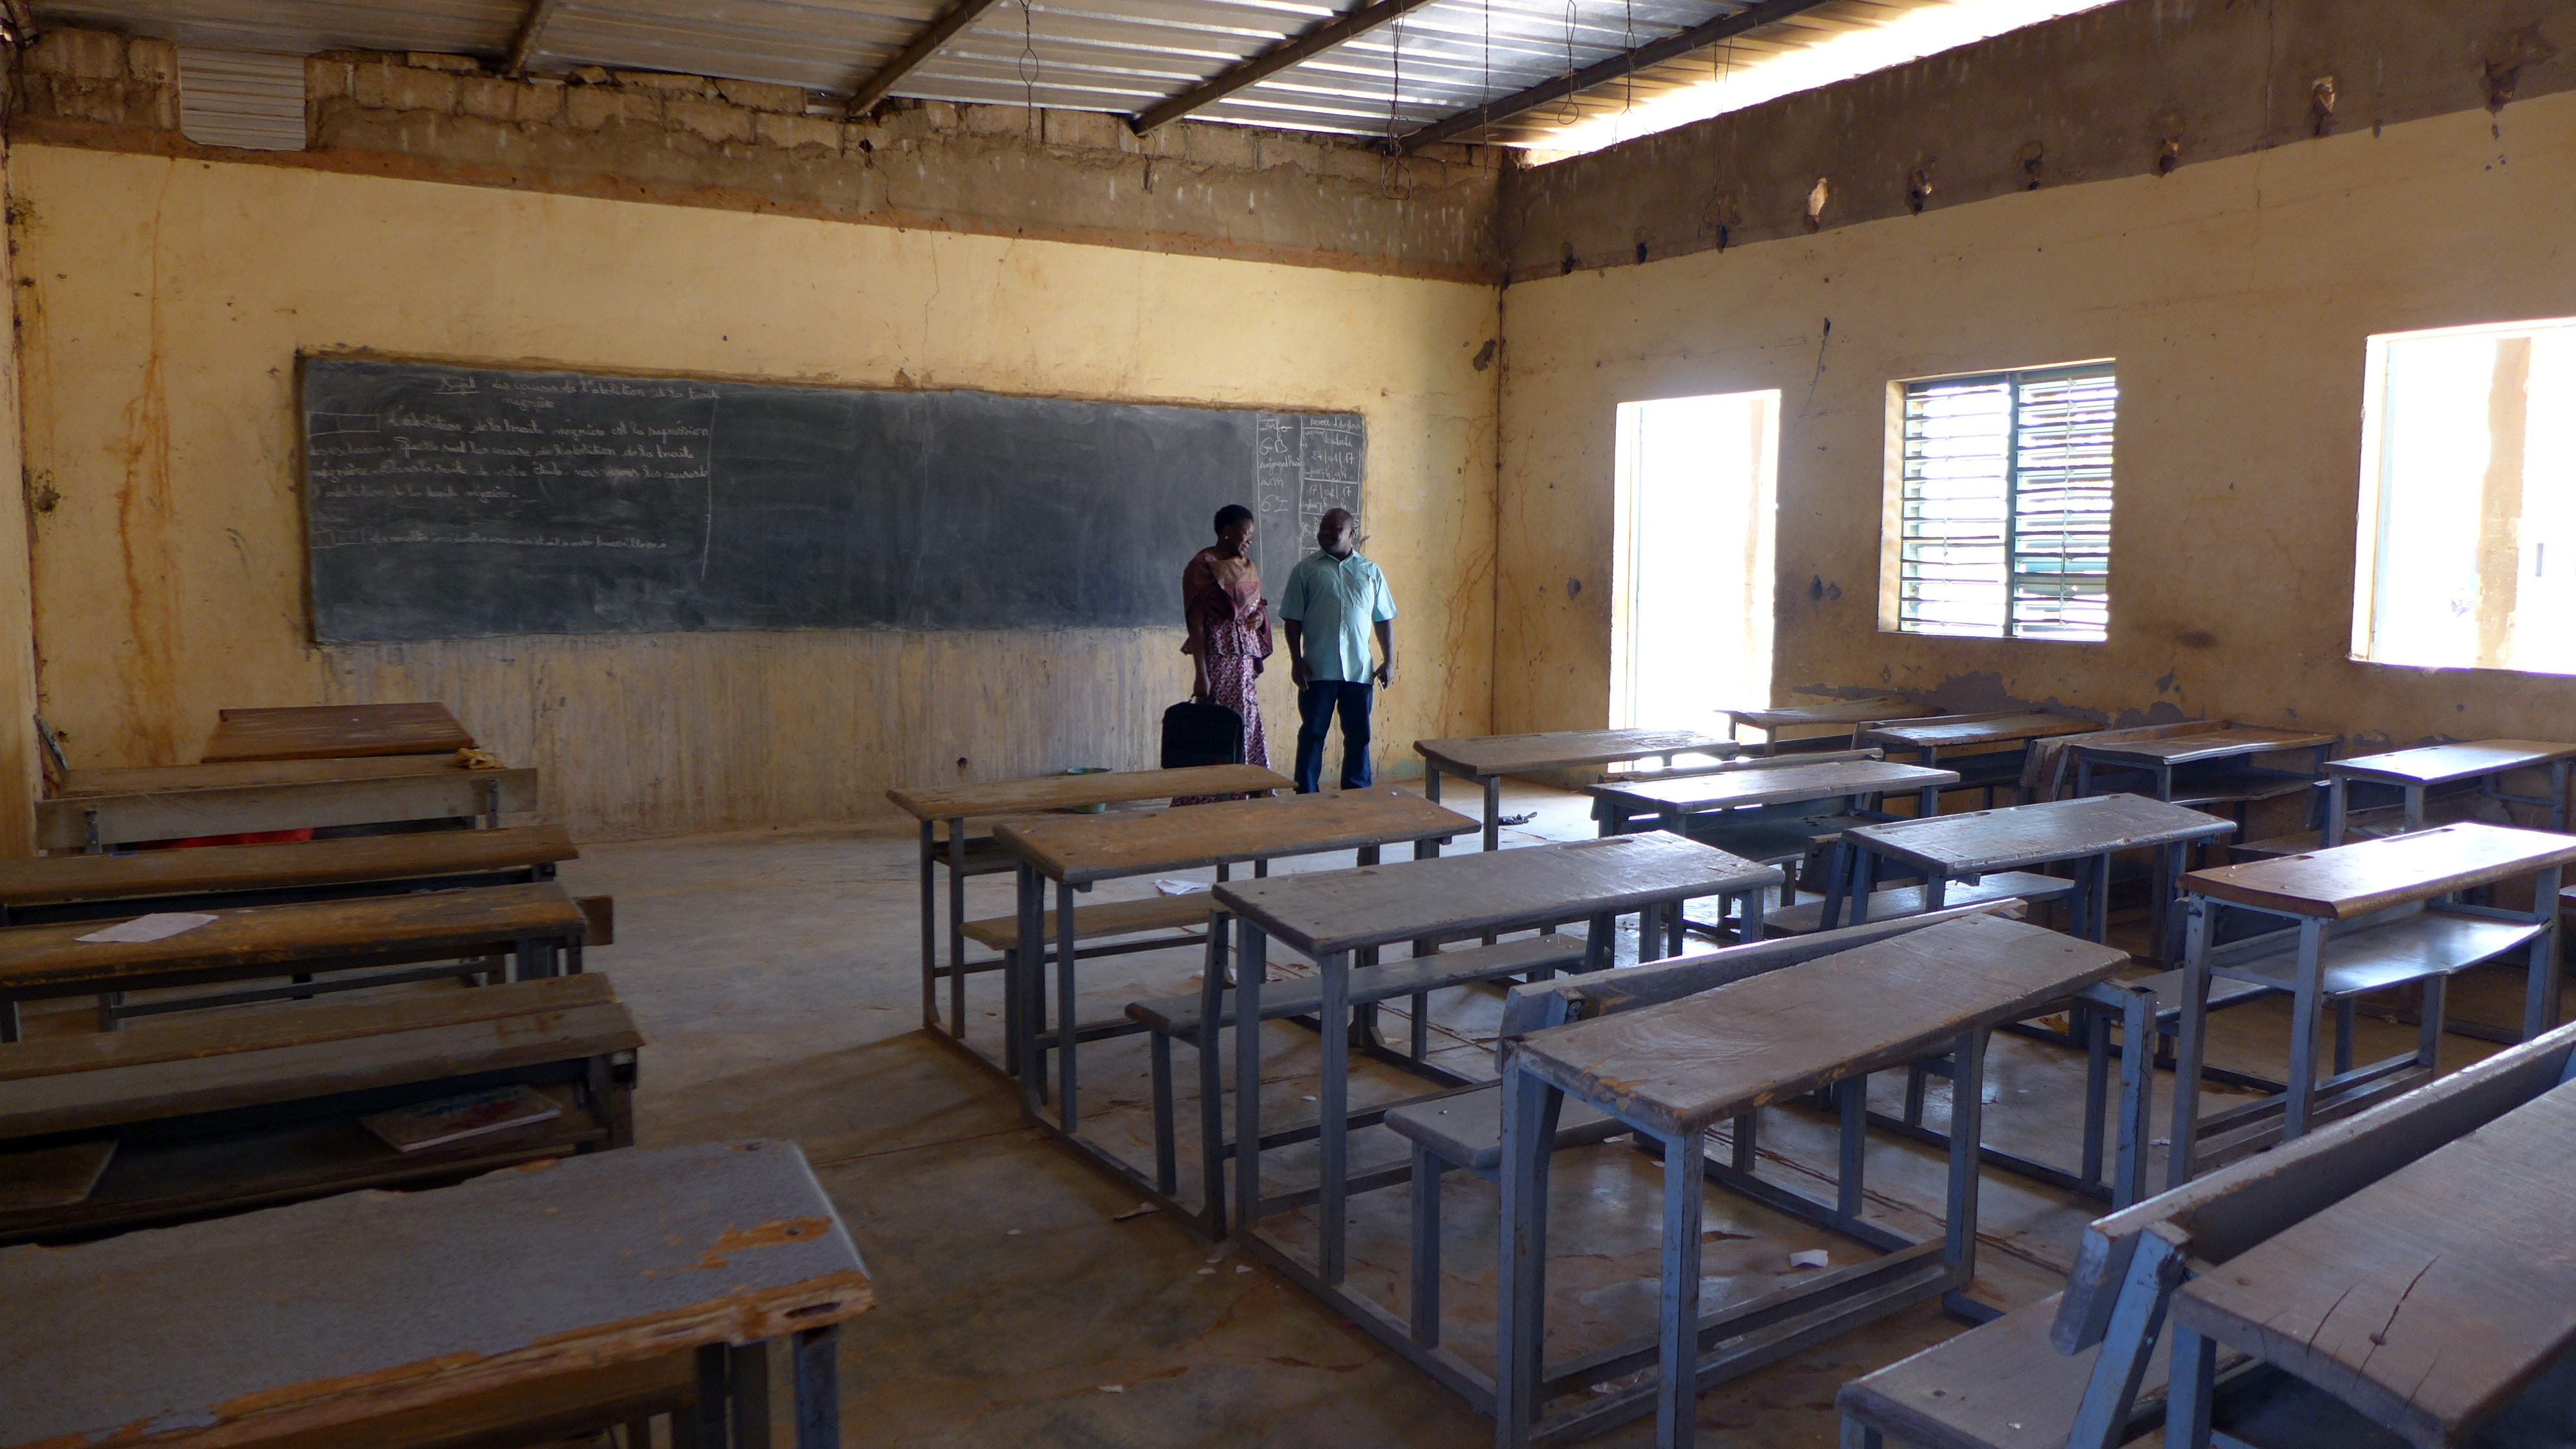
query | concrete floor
[1022, 1301]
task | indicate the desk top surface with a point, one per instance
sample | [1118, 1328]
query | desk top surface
[2428, 1299]
[1079, 849]
[59, 878]
[51, 955]
[2034, 834]
[1061, 792]
[335, 1311]
[2441, 764]
[1683, 1065]
[1846, 712]
[1483, 755]
[1943, 734]
[2218, 744]
[335, 731]
[1776, 784]
[1319, 912]
[2372, 875]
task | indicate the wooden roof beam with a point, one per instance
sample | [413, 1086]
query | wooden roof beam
[531, 30]
[1255, 69]
[942, 30]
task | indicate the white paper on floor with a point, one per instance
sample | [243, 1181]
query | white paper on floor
[159, 926]
[1182, 887]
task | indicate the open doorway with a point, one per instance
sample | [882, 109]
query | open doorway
[1690, 614]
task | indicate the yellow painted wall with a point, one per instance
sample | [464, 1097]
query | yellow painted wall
[171, 298]
[20, 771]
[2236, 296]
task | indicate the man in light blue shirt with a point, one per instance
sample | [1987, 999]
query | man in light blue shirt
[1333, 602]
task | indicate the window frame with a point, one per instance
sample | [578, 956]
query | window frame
[1892, 540]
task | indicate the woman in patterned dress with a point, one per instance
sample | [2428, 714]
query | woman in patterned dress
[1229, 631]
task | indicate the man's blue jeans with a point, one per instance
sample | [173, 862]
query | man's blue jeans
[1315, 706]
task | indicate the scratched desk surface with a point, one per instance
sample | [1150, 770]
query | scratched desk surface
[350, 1308]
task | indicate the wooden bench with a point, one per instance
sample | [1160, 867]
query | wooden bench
[1181, 1018]
[99, 809]
[1108, 918]
[1898, 902]
[359, 1319]
[216, 1114]
[464, 930]
[87, 887]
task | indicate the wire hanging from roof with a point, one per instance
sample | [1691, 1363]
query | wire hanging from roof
[1565, 112]
[1030, 69]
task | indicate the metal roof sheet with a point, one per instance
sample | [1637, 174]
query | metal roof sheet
[1447, 57]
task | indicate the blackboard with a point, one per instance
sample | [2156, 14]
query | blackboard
[448, 502]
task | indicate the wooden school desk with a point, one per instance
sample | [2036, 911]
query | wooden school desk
[2427, 1300]
[964, 855]
[2414, 772]
[2210, 767]
[1332, 917]
[2359, 918]
[554, 1299]
[2086, 1369]
[1486, 759]
[214, 1114]
[335, 731]
[1673, 1070]
[1076, 852]
[538, 924]
[1837, 721]
[97, 809]
[84, 887]
[1986, 766]
[1767, 811]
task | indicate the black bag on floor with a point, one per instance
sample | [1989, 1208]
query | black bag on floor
[1201, 734]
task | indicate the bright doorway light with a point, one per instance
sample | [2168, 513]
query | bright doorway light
[2467, 550]
[1691, 585]
[1911, 35]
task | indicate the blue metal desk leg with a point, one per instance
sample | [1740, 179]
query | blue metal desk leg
[2190, 1038]
[1677, 1354]
[1530, 1111]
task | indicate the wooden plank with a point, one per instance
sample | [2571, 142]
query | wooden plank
[1679, 1067]
[1892, 903]
[1693, 794]
[335, 731]
[1064, 792]
[289, 1024]
[2036, 834]
[2442, 764]
[1079, 849]
[1108, 918]
[1482, 756]
[1842, 712]
[2218, 744]
[63, 824]
[550, 1270]
[2001, 1385]
[1320, 912]
[2045, 765]
[2377, 956]
[157, 1090]
[572, 1407]
[1953, 732]
[2220, 1214]
[2372, 875]
[2428, 1299]
[145, 779]
[285, 866]
[465, 922]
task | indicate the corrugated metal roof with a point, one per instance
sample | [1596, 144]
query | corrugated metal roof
[241, 98]
[1121, 56]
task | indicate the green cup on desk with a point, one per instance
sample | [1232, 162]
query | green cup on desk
[1095, 807]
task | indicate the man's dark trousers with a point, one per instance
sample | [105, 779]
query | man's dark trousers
[1315, 706]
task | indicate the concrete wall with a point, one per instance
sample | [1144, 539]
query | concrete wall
[2236, 296]
[21, 774]
[167, 298]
